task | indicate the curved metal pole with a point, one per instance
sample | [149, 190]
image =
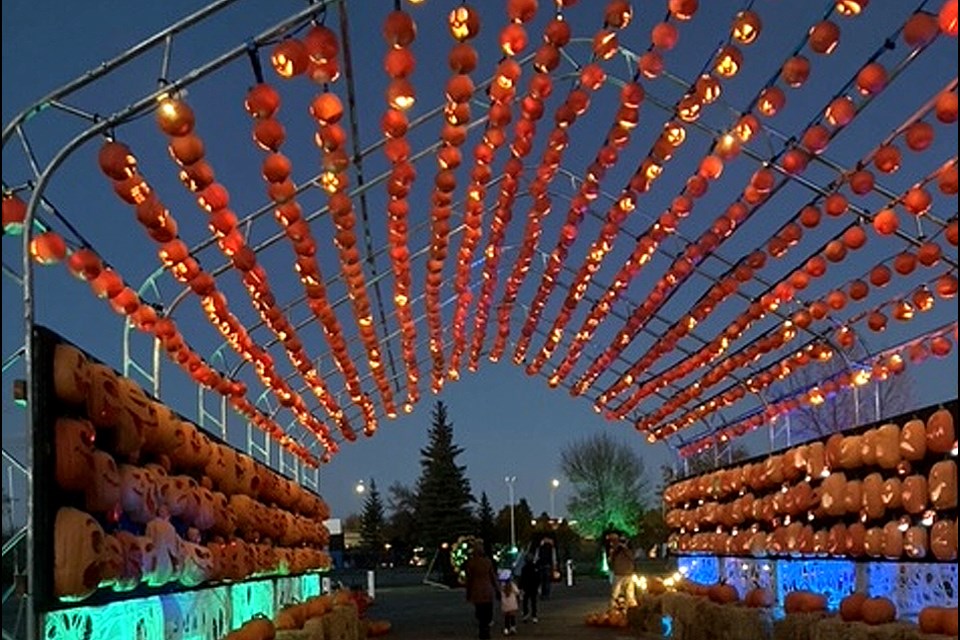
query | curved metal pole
[110, 65]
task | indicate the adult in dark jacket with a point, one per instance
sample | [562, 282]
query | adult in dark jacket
[529, 587]
[482, 588]
[546, 558]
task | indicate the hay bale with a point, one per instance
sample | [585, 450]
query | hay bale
[745, 623]
[343, 623]
[293, 634]
[647, 616]
[834, 628]
[797, 626]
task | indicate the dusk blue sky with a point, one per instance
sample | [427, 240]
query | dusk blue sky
[508, 423]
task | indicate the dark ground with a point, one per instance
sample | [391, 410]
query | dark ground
[424, 612]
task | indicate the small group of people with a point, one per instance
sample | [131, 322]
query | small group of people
[484, 587]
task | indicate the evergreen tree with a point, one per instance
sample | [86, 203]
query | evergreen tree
[372, 523]
[443, 490]
[485, 522]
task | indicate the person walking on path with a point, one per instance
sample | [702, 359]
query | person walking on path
[621, 563]
[529, 587]
[509, 605]
[482, 588]
[546, 558]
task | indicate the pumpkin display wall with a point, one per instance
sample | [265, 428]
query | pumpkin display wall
[144, 499]
[879, 491]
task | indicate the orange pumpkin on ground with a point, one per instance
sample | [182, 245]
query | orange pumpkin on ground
[804, 602]
[878, 611]
[851, 607]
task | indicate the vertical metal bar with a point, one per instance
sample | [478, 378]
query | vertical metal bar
[223, 421]
[156, 367]
[856, 405]
[786, 426]
[876, 401]
[32, 430]
[165, 61]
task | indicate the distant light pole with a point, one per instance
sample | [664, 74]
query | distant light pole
[360, 488]
[553, 496]
[513, 529]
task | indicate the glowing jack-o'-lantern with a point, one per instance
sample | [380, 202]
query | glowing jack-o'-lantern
[853, 496]
[728, 61]
[942, 485]
[77, 546]
[851, 455]
[832, 492]
[102, 492]
[873, 505]
[943, 540]
[746, 27]
[290, 58]
[181, 497]
[823, 37]
[771, 101]
[914, 496]
[464, 22]
[915, 542]
[940, 432]
[887, 446]
[117, 161]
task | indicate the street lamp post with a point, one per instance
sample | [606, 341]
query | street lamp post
[553, 497]
[360, 488]
[513, 529]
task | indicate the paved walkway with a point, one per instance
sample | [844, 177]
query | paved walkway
[431, 613]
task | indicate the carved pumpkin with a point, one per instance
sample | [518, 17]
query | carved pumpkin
[891, 494]
[74, 453]
[853, 496]
[837, 540]
[77, 547]
[723, 594]
[162, 564]
[197, 564]
[181, 496]
[224, 519]
[139, 495]
[914, 496]
[134, 548]
[851, 452]
[887, 446]
[868, 448]
[192, 449]
[940, 431]
[70, 378]
[873, 505]
[102, 493]
[112, 561]
[892, 540]
[913, 440]
[206, 510]
[103, 397]
[915, 542]
[942, 485]
[873, 542]
[856, 539]
[941, 620]
[943, 540]
[833, 493]
[816, 459]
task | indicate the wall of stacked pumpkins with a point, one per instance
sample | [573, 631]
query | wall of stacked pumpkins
[145, 498]
[885, 491]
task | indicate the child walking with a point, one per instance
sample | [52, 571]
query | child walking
[509, 603]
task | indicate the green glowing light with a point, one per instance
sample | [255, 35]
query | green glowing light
[249, 599]
[309, 585]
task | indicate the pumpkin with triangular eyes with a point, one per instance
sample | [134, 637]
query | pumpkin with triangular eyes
[73, 440]
[181, 496]
[103, 491]
[70, 376]
[78, 541]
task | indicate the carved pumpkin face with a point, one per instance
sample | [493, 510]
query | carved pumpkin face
[914, 496]
[139, 496]
[74, 447]
[111, 561]
[181, 496]
[205, 517]
[133, 549]
[198, 564]
[224, 519]
[165, 560]
[70, 377]
[103, 398]
[102, 491]
[78, 544]
[942, 484]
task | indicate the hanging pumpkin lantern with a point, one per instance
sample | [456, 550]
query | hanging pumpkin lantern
[946, 286]
[876, 321]
[880, 276]
[946, 107]
[947, 20]
[795, 161]
[795, 71]
[174, 117]
[940, 346]
[84, 264]
[197, 176]
[861, 182]
[711, 167]
[917, 201]
[835, 205]
[116, 161]
[771, 100]
[707, 89]
[513, 39]
[823, 37]
[525, 10]
[746, 27]
[605, 44]
[947, 184]
[728, 61]
[48, 247]
[851, 7]
[617, 14]
[919, 136]
[886, 222]
[664, 36]
[872, 79]
[651, 64]
[269, 134]
[401, 94]
[809, 216]
[327, 109]
[399, 29]
[854, 237]
[186, 150]
[815, 139]
[685, 9]
[858, 290]
[920, 29]
[887, 159]
[262, 101]
[904, 263]
[464, 23]
[841, 111]
[929, 254]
